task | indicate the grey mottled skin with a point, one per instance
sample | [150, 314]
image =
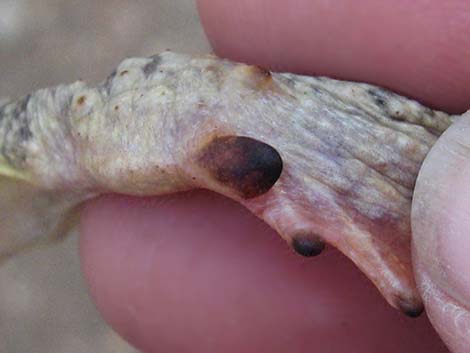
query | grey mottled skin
[15, 130]
[351, 152]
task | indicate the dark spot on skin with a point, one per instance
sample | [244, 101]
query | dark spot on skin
[410, 308]
[24, 103]
[264, 71]
[25, 133]
[65, 108]
[381, 98]
[19, 111]
[2, 111]
[151, 67]
[378, 97]
[308, 245]
[116, 107]
[108, 82]
[81, 100]
[248, 166]
[21, 118]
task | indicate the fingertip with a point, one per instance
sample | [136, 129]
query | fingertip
[440, 208]
[195, 272]
[441, 226]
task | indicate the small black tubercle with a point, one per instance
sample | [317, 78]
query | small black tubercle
[308, 246]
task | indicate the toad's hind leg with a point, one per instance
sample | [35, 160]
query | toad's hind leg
[308, 212]
[381, 251]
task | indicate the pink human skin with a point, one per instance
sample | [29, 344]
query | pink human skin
[246, 291]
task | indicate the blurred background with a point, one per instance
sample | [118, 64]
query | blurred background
[44, 304]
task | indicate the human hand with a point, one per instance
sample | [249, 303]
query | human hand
[196, 273]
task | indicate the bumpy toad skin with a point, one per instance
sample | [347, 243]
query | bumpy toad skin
[319, 160]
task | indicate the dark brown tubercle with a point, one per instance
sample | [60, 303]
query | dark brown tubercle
[410, 308]
[246, 165]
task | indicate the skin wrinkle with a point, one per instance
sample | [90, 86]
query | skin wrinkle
[375, 118]
[368, 163]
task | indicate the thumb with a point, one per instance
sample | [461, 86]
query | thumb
[441, 235]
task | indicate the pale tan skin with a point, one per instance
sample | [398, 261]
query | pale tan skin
[350, 154]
